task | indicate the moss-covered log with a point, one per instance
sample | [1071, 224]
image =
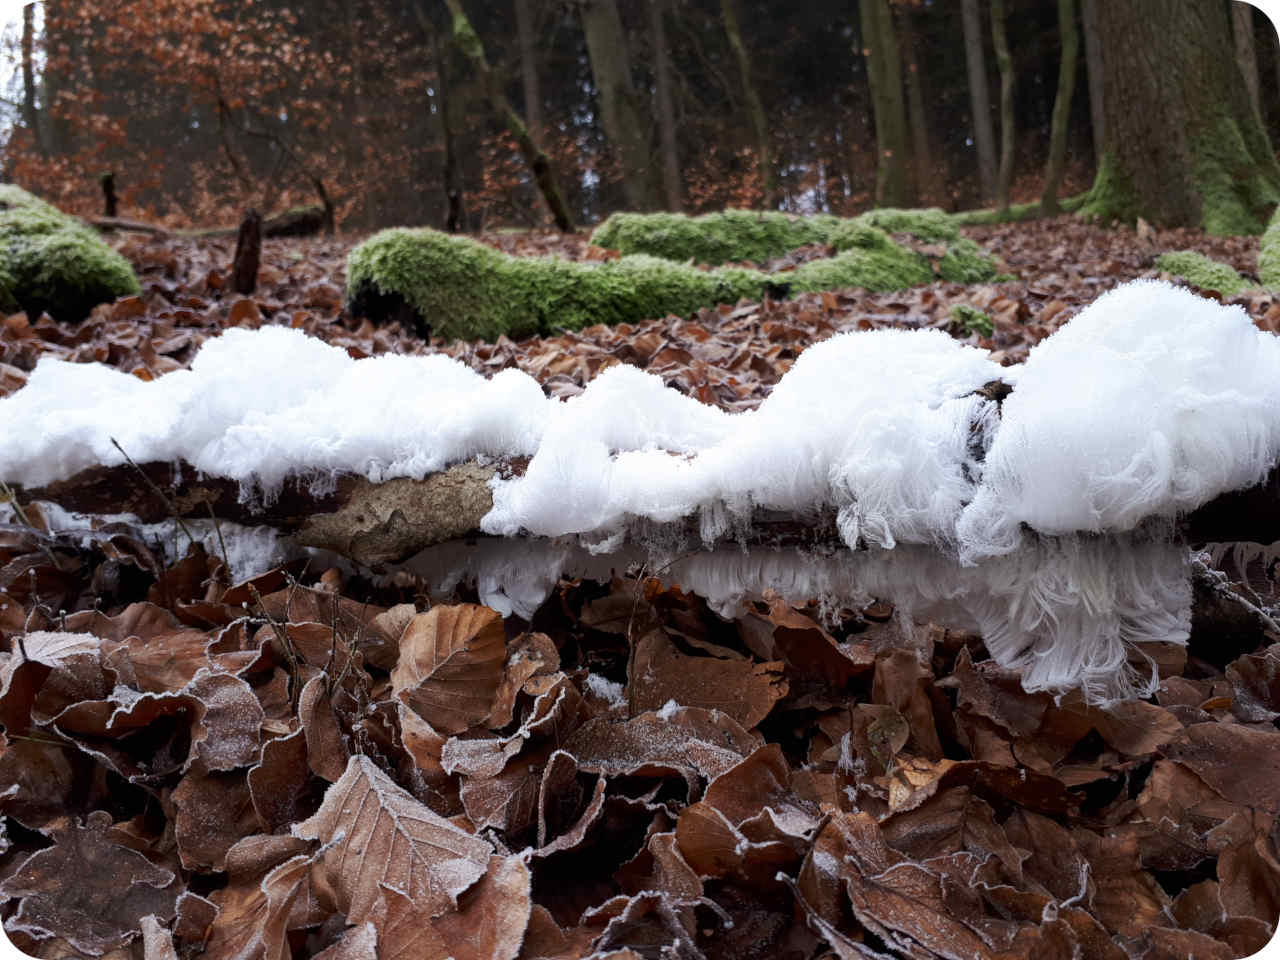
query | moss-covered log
[1203, 272]
[1184, 145]
[742, 235]
[51, 262]
[461, 289]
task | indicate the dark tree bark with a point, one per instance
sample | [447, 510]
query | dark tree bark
[979, 98]
[469, 43]
[666, 111]
[755, 109]
[1004, 61]
[244, 267]
[915, 107]
[1184, 144]
[30, 116]
[623, 121]
[1061, 107]
[1097, 89]
[884, 74]
[110, 203]
[453, 195]
[529, 69]
[1246, 50]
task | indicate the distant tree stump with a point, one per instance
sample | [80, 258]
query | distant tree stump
[244, 269]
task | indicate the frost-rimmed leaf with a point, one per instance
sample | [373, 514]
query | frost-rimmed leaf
[382, 835]
[451, 664]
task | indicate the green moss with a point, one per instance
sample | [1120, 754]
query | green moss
[52, 262]
[972, 320]
[713, 238]
[932, 224]
[463, 290]
[1202, 271]
[1236, 194]
[464, 35]
[1112, 196]
[966, 262]
[877, 269]
[1269, 254]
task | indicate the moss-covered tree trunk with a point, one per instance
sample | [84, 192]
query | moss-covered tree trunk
[1004, 61]
[469, 43]
[666, 111]
[755, 109]
[979, 98]
[1061, 107]
[884, 75]
[1184, 145]
[624, 123]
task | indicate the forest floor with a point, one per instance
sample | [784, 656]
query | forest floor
[157, 762]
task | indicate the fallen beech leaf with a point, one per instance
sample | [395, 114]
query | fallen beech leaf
[87, 890]
[213, 812]
[1241, 764]
[358, 943]
[952, 821]
[226, 736]
[743, 689]
[58, 668]
[451, 663]
[157, 942]
[327, 752]
[277, 786]
[377, 834]
[254, 916]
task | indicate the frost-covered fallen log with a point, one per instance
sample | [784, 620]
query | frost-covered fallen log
[1052, 516]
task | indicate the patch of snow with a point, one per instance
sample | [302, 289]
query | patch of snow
[668, 710]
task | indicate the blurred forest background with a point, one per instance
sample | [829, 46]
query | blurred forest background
[382, 110]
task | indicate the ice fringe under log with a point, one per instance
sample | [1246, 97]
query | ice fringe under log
[1045, 513]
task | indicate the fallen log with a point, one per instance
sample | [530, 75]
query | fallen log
[380, 524]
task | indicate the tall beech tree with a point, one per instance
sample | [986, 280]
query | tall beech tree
[979, 97]
[625, 124]
[1061, 106]
[1004, 61]
[1184, 144]
[884, 75]
[755, 109]
[666, 110]
[539, 163]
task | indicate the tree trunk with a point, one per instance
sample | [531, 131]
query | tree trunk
[454, 213]
[755, 110]
[30, 116]
[1061, 107]
[915, 105]
[979, 99]
[244, 267]
[1097, 89]
[469, 43]
[1246, 52]
[529, 69]
[884, 75]
[623, 121]
[1184, 144]
[666, 112]
[1005, 63]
